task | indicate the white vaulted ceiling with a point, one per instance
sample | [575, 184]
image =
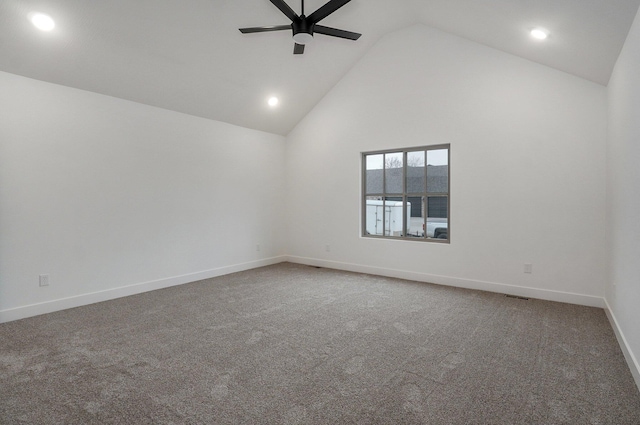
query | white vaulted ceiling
[188, 55]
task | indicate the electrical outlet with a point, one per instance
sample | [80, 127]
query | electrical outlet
[528, 268]
[44, 280]
[327, 248]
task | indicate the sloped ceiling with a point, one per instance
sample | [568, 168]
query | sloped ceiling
[188, 55]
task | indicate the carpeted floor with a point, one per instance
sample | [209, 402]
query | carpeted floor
[291, 344]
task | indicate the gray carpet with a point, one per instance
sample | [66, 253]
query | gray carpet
[291, 344]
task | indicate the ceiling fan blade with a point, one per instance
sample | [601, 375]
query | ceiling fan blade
[319, 29]
[284, 8]
[265, 29]
[298, 49]
[326, 10]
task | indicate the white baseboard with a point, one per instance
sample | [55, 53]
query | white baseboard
[622, 341]
[520, 291]
[110, 294]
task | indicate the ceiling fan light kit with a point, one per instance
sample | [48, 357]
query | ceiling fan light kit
[302, 31]
[304, 27]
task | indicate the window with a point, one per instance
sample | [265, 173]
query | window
[406, 194]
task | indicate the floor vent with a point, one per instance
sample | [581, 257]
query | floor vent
[516, 297]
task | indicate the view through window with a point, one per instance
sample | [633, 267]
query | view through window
[406, 193]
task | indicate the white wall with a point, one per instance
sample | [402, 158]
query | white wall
[623, 192]
[102, 193]
[527, 173]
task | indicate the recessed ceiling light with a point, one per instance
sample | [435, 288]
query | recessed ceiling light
[42, 22]
[273, 101]
[539, 33]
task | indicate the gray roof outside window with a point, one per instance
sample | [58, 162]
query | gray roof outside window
[437, 179]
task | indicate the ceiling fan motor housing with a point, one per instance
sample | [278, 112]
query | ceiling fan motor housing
[302, 30]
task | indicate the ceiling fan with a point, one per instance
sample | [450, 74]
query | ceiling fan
[304, 27]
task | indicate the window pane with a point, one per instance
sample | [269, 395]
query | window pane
[437, 217]
[373, 173]
[393, 221]
[393, 163]
[437, 206]
[416, 217]
[374, 215]
[415, 172]
[438, 171]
